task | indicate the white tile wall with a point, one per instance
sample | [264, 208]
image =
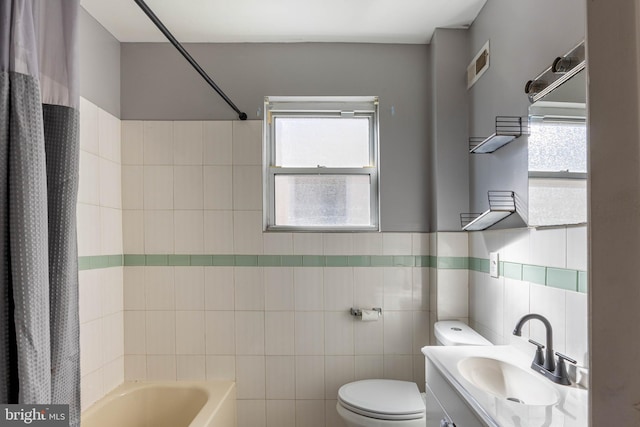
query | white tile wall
[247, 232]
[450, 287]
[249, 291]
[310, 413]
[189, 288]
[281, 413]
[191, 368]
[280, 377]
[157, 143]
[338, 244]
[219, 289]
[279, 332]
[548, 247]
[218, 232]
[158, 187]
[133, 231]
[452, 244]
[282, 333]
[251, 377]
[497, 304]
[398, 288]
[218, 187]
[307, 243]
[577, 248]
[188, 227]
[99, 216]
[188, 142]
[247, 142]
[89, 185]
[217, 143]
[367, 243]
[396, 243]
[247, 188]
[338, 289]
[132, 142]
[158, 232]
[278, 243]
[453, 294]
[278, 282]
[188, 187]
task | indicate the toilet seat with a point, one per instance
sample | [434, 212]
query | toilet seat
[383, 399]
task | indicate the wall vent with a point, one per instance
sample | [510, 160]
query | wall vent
[478, 65]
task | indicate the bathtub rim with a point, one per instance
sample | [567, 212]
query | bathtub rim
[217, 391]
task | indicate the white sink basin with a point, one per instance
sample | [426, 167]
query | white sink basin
[507, 381]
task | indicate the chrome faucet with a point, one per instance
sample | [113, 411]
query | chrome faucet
[546, 364]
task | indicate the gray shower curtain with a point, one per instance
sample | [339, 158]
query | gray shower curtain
[39, 148]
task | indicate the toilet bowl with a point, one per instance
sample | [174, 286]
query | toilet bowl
[381, 403]
[393, 403]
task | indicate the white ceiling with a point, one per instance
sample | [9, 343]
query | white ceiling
[224, 21]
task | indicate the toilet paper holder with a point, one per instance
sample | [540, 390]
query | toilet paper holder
[358, 313]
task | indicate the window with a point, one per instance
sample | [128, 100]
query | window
[557, 164]
[558, 145]
[321, 163]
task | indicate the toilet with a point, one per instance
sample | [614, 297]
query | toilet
[389, 403]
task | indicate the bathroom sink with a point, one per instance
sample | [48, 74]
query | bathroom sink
[507, 381]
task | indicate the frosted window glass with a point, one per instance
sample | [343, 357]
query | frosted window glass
[330, 142]
[322, 200]
[557, 147]
[557, 201]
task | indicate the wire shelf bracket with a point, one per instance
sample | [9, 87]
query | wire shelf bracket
[507, 129]
[501, 205]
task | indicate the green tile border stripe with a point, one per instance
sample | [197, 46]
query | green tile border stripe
[534, 274]
[561, 278]
[582, 282]
[99, 262]
[512, 270]
[453, 263]
[479, 264]
[135, 260]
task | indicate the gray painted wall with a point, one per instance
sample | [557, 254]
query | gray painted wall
[524, 38]
[99, 64]
[158, 84]
[450, 165]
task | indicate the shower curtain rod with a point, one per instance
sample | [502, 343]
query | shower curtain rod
[188, 57]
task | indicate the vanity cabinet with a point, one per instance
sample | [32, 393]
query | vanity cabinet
[436, 415]
[445, 408]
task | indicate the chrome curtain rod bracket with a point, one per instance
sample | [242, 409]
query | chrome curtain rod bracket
[152, 16]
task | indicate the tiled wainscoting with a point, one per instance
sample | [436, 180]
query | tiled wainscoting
[283, 333]
[278, 324]
[542, 271]
[99, 216]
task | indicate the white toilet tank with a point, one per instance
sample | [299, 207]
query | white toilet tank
[454, 332]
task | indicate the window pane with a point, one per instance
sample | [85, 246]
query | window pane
[557, 201]
[330, 142]
[558, 147]
[322, 200]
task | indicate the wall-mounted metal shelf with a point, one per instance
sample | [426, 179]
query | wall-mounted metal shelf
[501, 205]
[507, 128]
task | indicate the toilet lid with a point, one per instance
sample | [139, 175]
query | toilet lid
[383, 399]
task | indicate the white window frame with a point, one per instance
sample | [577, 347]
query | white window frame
[335, 107]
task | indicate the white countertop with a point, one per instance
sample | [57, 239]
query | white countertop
[570, 411]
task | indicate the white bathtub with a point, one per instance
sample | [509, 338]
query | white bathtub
[165, 404]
